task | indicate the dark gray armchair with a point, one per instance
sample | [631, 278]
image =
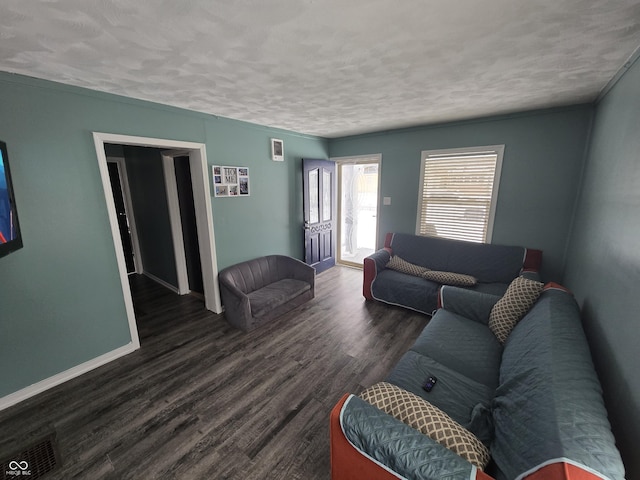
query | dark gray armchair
[259, 290]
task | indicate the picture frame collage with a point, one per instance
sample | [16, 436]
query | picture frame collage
[229, 181]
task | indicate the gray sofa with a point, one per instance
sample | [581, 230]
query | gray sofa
[494, 266]
[535, 403]
[259, 290]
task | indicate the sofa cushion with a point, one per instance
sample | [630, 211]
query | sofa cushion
[516, 302]
[450, 278]
[468, 303]
[428, 419]
[465, 400]
[398, 288]
[417, 293]
[466, 346]
[490, 288]
[275, 294]
[487, 262]
[446, 278]
[397, 263]
[253, 274]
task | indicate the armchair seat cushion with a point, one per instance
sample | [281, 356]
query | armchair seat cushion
[271, 296]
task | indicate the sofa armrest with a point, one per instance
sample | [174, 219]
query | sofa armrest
[381, 257]
[393, 445]
[373, 264]
[236, 303]
[532, 260]
[467, 303]
[293, 268]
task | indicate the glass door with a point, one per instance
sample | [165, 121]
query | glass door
[358, 179]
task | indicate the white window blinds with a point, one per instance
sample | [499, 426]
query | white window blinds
[458, 192]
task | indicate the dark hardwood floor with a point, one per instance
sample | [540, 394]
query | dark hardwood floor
[202, 400]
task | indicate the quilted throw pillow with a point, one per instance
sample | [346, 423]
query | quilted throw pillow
[450, 278]
[516, 302]
[428, 419]
[401, 265]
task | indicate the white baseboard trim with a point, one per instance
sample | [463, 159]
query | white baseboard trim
[173, 288]
[47, 383]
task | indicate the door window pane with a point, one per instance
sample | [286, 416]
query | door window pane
[314, 198]
[326, 196]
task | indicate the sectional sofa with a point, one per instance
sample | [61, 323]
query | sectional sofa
[529, 408]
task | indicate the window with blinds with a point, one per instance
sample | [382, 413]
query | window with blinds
[458, 193]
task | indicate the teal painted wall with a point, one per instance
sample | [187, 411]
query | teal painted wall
[270, 219]
[603, 267]
[544, 151]
[61, 302]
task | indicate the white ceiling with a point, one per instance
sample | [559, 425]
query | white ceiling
[327, 67]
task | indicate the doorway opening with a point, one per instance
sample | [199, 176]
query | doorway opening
[195, 154]
[358, 187]
[124, 211]
[188, 223]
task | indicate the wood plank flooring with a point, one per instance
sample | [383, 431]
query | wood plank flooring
[202, 400]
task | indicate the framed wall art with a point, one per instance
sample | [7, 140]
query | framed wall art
[230, 181]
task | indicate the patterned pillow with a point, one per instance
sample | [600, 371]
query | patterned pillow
[429, 420]
[401, 265]
[516, 302]
[450, 278]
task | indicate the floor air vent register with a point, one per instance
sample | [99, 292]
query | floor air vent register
[33, 461]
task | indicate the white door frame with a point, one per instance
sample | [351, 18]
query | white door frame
[175, 220]
[128, 208]
[204, 217]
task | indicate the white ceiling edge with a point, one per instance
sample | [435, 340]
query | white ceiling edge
[633, 58]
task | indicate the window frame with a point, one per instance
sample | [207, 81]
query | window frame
[498, 150]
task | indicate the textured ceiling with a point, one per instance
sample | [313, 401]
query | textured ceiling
[327, 67]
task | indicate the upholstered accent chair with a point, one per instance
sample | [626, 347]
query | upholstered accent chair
[259, 290]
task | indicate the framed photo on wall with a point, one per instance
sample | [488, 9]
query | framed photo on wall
[277, 150]
[230, 181]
